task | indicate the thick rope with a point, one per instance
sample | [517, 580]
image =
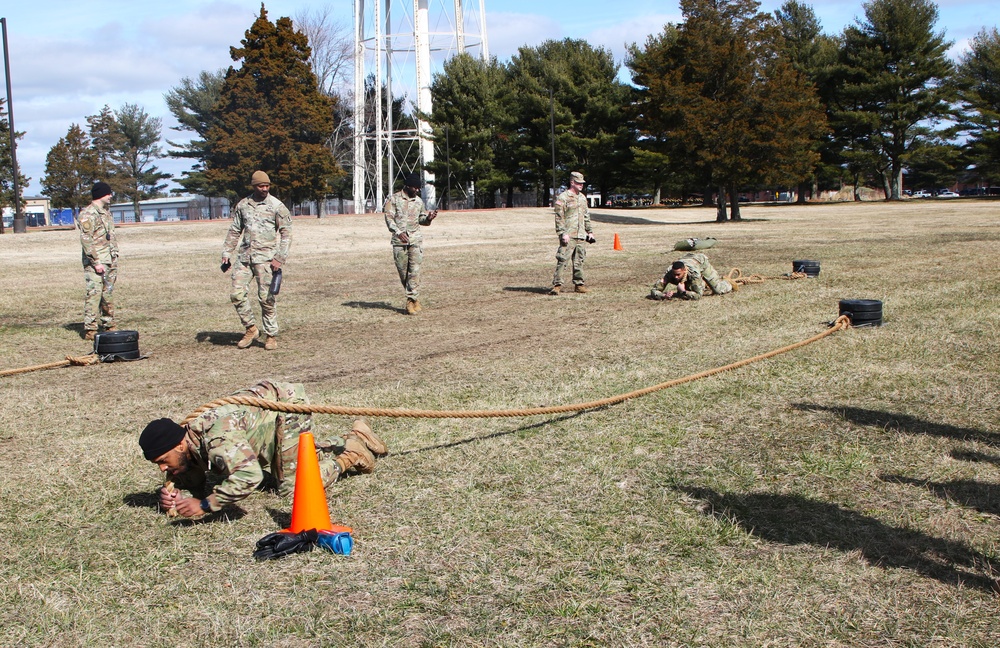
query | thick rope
[843, 322]
[80, 361]
[737, 278]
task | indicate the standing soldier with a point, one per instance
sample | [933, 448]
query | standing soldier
[265, 226]
[689, 276]
[405, 212]
[100, 260]
[572, 228]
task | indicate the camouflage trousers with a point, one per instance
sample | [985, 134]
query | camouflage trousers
[710, 275]
[242, 276]
[576, 251]
[99, 298]
[408, 259]
[289, 427]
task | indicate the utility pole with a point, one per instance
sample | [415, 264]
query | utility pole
[19, 225]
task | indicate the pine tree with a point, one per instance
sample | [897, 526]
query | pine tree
[894, 72]
[7, 163]
[138, 145]
[978, 83]
[271, 116]
[70, 170]
[193, 104]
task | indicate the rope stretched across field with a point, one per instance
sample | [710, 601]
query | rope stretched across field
[81, 361]
[737, 278]
[842, 322]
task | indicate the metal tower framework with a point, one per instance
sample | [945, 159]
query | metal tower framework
[395, 44]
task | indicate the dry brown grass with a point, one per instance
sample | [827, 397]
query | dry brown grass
[846, 494]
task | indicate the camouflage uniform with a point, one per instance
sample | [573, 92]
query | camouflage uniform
[699, 272]
[405, 215]
[572, 218]
[239, 443]
[100, 246]
[266, 229]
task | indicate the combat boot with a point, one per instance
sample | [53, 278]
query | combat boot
[554, 290]
[271, 343]
[355, 456]
[248, 337]
[371, 440]
[108, 329]
[580, 288]
[416, 305]
[90, 335]
[411, 307]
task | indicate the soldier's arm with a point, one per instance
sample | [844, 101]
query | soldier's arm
[87, 227]
[284, 225]
[560, 211]
[233, 236]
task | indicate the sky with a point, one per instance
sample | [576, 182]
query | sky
[69, 59]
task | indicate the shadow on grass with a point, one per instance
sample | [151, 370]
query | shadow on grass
[527, 289]
[373, 305]
[149, 500]
[969, 455]
[76, 327]
[219, 338]
[281, 517]
[797, 520]
[494, 435]
[625, 220]
[903, 423]
[981, 496]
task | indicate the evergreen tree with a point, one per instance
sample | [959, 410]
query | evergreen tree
[70, 170]
[978, 82]
[894, 69]
[271, 116]
[470, 124]
[7, 163]
[736, 111]
[193, 104]
[588, 102]
[138, 145]
[106, 141]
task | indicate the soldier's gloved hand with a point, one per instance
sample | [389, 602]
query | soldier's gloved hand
[283, 543]
[564, 239]
[590, 238]
[225, 265]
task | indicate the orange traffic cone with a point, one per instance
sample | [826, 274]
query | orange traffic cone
[309, 509]
[618, 243]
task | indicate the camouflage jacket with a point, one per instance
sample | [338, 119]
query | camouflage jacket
[97, 236]
[572, 215]
[694, 283]
[266, 229]
[405, 215]
[237, 443]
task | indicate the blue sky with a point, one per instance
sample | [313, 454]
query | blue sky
[68, 59]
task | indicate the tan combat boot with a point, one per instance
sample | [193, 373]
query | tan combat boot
[416, 305]
[271, 343]
[411, 307]
[248, 338]
[90, 335]
[355, 456]
[371, 440]
[554, 290]
[580, 288]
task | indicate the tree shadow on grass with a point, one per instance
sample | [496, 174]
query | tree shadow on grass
[527, 289]
[219, 338]
[903, 423]
[981, 496]
[626, 220]
[494, 435]
[797, 520]
[150, 501]
[969, 455]
[373, 305]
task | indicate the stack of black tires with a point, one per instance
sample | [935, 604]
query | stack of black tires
[863, 312]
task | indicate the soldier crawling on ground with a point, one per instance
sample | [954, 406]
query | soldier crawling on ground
[245, 448]
[688, 276]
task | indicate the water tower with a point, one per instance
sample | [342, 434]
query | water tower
[398, 44]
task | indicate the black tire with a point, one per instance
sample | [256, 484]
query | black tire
[861, 306]
[115, 342]
[117, 337]
[809, 268]
[126, 355]
[117, 348]
[874, 322]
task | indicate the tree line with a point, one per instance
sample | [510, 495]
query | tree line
[728, 100]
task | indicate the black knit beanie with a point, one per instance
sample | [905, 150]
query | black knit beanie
[159, 437]
[100, 190]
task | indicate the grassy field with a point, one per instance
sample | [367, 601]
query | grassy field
[844, 494]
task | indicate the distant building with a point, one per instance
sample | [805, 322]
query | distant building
[181, 208]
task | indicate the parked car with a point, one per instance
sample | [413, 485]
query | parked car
[947, 193]
[923, 193]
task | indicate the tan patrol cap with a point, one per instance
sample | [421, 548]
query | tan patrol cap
[259, 178]
[576, 176]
